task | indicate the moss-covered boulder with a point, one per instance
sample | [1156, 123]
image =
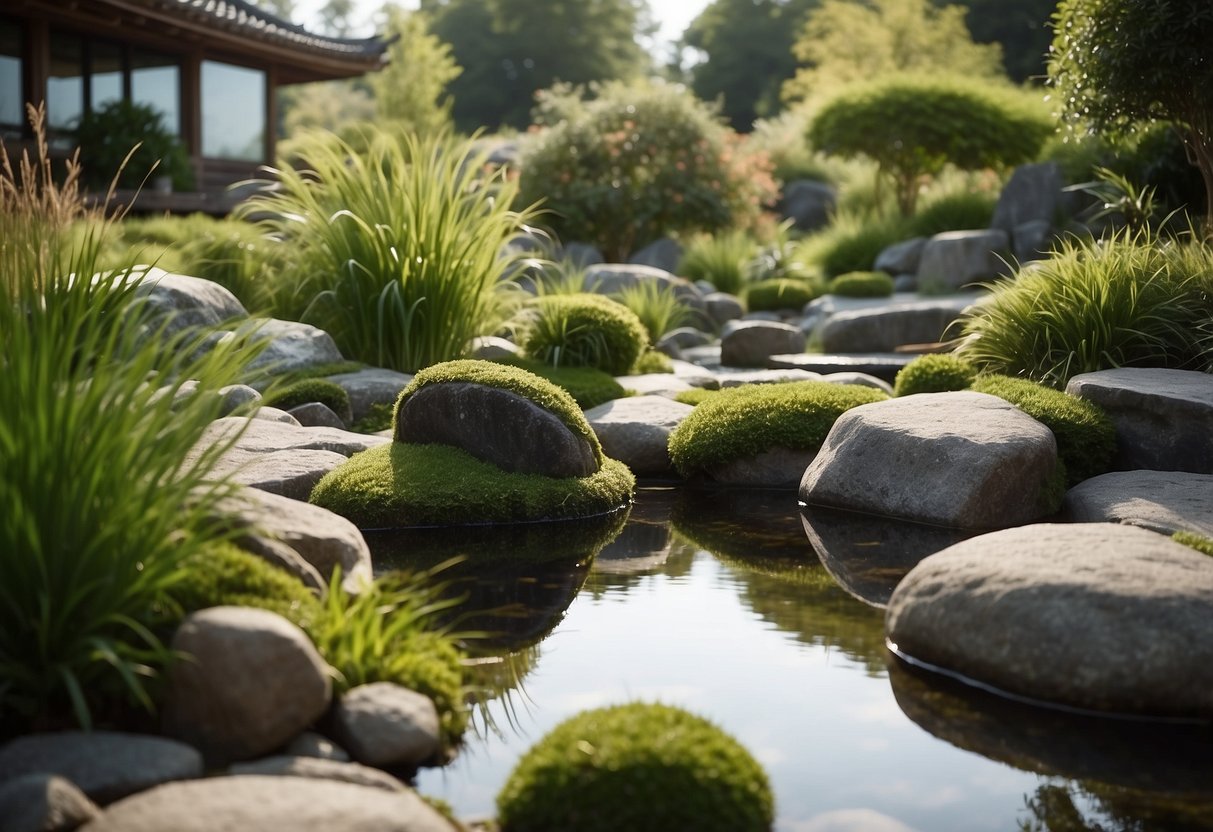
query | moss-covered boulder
[640, 767]
[588, 387]
[779, 424]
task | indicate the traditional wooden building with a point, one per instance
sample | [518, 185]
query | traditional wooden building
[211, 67]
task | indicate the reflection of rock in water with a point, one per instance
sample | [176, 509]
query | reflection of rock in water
[644, 544]
[869, 555]
[741, 523]
[1155, 764]
[1059, 807]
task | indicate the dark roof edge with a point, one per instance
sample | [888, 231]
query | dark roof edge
[241, 15]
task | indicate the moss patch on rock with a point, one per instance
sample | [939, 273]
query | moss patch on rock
[744, 421]
[1194, 541]
[588, 387]
[651, 361]
[780, 293]
[934, 374]
[1086, 437]
[862, 285]
[229, 576]
[400, 485]
[328, 393]
[695, 397]
[640, 767]
[585, 330]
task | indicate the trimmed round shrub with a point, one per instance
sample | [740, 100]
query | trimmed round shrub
[639, 767]
[862, 285]
[651, 361]
[780, 293]
[304, 391]
[588, 387]
[934, 374]
[745, 421]
[585, 330]
[1086, 438]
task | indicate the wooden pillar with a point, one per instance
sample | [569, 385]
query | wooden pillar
[271, 113]
[37, 60]
[191, 112]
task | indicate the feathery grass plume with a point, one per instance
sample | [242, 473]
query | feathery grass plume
[398, 252]
[102, 497]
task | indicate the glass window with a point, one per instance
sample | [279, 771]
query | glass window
[105, 78]
[65, 84]
[156, 80]
[233, 112]
[11, 91]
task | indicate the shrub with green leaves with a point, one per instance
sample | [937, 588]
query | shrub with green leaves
[641, 767]
[960, 211]
[852, 243]
[745, 421]
[1128, 301]
[780, 293]
[940, 373]
[719, 259]
[584, 330]
[912, 126]
[396, 253]
[861, 285]
[307, 390]
[639, 162]
[1086, 438]
[107, 134]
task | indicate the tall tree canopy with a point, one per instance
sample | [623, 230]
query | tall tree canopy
[509, 49]
[411, 89]
[1021, 26]
[746, 51]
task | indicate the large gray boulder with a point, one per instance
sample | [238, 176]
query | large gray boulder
[661, 254]
[497, 426]
[294, 346]
[105, 765]
[317, 768]
[1163, 418]
[370, 387]
[1032, 194]
[613, 278]
[809, 204]
[43, 803]
[384, 724]
[1162, 501]
[1092, 615]
[257, 802]
[956, 259]
[752, 343]
[317, 415]
[187, 302]
[883, 329]
[252, 681]
[962, 460]
[723, 307]
[287, 473]
[636, 431]
[901, 258]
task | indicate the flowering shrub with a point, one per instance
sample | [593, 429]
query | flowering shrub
[639, 162]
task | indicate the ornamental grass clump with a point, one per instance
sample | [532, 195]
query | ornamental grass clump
[396, 252]
[584, 330]
[656, 305]
[1133, 300]
[720, 259]
[934, 374]
[640, 767]
[101, 500]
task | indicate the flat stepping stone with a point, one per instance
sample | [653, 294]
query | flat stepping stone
[636, 431]
[667, 385]
[1163, 418]
[292, 473]
[739, 378]
[1097, 616]
[1162, 501]
[885, 328]
[751, 343]
[884, 366]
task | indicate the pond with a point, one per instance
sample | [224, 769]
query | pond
[718, 602]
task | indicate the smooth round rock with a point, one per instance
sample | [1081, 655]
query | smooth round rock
[636, 431]
[384, 724]
[43, 803]
[1162, 501]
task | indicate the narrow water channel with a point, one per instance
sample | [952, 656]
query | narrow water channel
[719, 603]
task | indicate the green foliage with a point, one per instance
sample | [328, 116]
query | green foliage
[651, 361]
[656, 305]
[307, 390]
[395, 253]
[588, 387]
[913, 126]
[695, 396]
[1195, 541]
[1086, 438]
[934, 374]
[510, 49]
[1128, 301]
[744, 421]
[1021, 27]
[399, 484]
[411, 89]
[852, 243]
[379, 418]
[106, 135]
[641, 767]
[844, 42]
[100, 501]
[1118, 64]
[639, 162]
[959, 211]
[862, 285]
[1118, 197]
[782, 139]
[780, 293]
[720, 259]
[225, 575]
[584, 330]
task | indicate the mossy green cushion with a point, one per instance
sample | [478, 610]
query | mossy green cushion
[780, 293]
[588, 387]
[636, 767]
[744, 421]
[585, 330]
[400, 485]
[328, 393]
[934, 374]
[862, 285]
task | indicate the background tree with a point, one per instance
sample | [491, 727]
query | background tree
[1119, 65]
[844, 41]
[283, 9]
[1020, 26]
[745, 51]
[509, 49]
[336, 18]
[411, 88]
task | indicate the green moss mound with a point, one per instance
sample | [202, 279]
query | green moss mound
[585, 330]
[228, 576]
[780, 293]
[862, 285]
[514, 379]
[934, 374]
[1195, 541]
[1086, 438]
[588, 387]
[399, 485]
[695, 397]
[328, 393]
[745, 421]
[651, 361]
[639, 767]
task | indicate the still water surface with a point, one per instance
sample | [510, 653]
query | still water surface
[719, 603]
